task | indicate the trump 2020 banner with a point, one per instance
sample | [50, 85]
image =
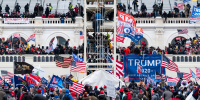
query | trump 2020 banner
[139, 66]
[55, 82]
[195, 16]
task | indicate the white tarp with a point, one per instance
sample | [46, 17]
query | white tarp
[99, 77]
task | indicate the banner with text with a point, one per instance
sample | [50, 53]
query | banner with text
[139, 66]
[195, 16]
[16, 20]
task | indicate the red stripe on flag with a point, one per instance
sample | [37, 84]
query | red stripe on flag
[77, 88]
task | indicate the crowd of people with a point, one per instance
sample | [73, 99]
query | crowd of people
[181, 46]
[16, 46]
[157, 10]
[134, 91]
[39, 10]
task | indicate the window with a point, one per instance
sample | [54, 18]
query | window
[61, 41]
[140, 42]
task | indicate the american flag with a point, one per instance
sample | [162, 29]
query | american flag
[184, 76]
[169, 79]
[77, 88]
[193, 75]
[1, 81]
[32, 37]
[126, 79]
[197, 72]
[5, 74]
[78, 67]
[17, 35]
[184, 31]
[158, 76]
[179, 5]
[119, 68]
[63, 62]
[81, 35]
[169, 64]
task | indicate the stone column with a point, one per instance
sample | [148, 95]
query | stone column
[38, 31]
[159, 39]
[77, 40]
[38, 36]
[79, 21]
[159, 32]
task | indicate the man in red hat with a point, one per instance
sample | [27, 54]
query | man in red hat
[128, 94]
[39, 96]
[97, 92]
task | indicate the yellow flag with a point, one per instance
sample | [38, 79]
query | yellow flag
[27, 47]
[74, 80]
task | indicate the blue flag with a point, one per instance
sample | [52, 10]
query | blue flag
[30, 81]
[197, 36]
[18, 81]
[185, 1]
[147, 65]
[76, 58]
[55, 82]
[44, 81]
[133, 35]
[192, 74]
[179, 75]
[195, 16]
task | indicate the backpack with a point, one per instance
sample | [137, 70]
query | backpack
[65, 97]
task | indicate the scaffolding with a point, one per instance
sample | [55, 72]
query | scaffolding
[97, 48]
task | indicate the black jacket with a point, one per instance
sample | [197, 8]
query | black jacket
[6, 96]
[132, 85]
[102, 97]
[39, 97]
[143, 8]
[97, 92]
[26, 97]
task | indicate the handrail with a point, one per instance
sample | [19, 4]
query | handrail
[43, 4]
[1, 2]
[15, 5]
[29, 3]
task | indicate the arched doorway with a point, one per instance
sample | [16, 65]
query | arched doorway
[140, 42]
[61, 41]
[179, 39]
[16, 39]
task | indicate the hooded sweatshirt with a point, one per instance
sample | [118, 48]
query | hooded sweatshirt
[62, 93]
[67, 93]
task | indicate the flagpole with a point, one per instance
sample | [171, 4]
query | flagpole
[14, 73]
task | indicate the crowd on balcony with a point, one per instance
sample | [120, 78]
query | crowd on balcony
[181, 46]
[39, 10]
[16, 46]
[157, 10]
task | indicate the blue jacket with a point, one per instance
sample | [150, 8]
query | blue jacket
[67, 93]
[99, 16]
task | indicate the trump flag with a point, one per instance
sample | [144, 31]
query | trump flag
[55, 82]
